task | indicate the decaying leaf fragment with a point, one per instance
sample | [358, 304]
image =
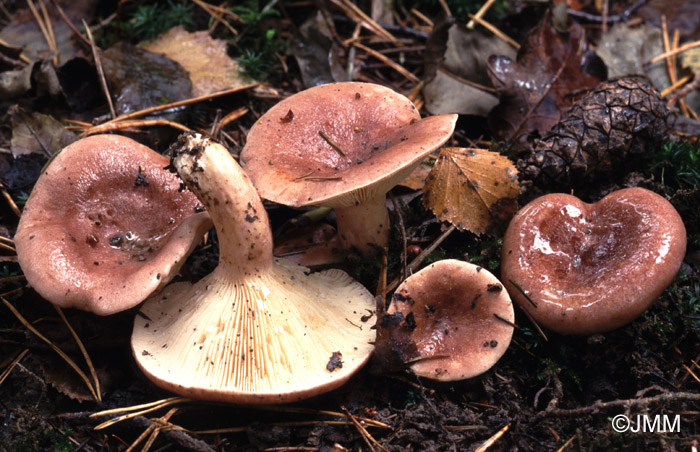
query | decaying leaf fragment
[536, 87]
[205, 59]
[466, 184]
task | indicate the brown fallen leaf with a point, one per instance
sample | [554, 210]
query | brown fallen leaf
[536, 88]
[34, 132]
[204, 58]
[466, 183]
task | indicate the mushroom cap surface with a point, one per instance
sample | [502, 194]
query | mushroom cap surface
[451, 331]
[379, 130]
[106, 225]
[591, 268]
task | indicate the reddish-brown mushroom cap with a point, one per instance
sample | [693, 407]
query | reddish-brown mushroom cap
[458, 320]
[591, 268]
[106, 225]
[342, 145]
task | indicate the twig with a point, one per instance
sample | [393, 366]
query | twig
[485, 7]
[671, 62]
[522, 291]
[488, 89]
[229, 118]
[388, 61]
[489, 442]
[179, 103]
[100, 71]
[681, 49]
[692, 374]
[415, 263]
[60, 352]
[369, 439]
[44, 31]
[49, 28]
[537, 326]
[627, 403]
[120, 125]
[8, 370]
[676, 85]
[495, 31]
[217, 13]
[622, 17]
[332, 143]
[359, 16]
[12, 278]
[136, 410]
[86, 355]
[10, 201]
[69, 23]
[566, 444]
[604, 16]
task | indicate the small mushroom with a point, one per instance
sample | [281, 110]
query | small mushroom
[458, 320]
[256, 329]
[345, 146]
[581, 268]
[106, 225]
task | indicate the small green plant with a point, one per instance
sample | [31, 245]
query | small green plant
[675, 317]
[678, 164]
[147, 21]
[21, 198]
[251, 14]
[258, 45]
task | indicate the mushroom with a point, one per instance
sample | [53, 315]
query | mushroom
[457, 320]
[581, 268]
[256, 329]
[106, 225]
[342, 145]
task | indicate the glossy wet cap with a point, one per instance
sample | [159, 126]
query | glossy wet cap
[591, 268]
[458, 320]
[106, 225]
[338, 144]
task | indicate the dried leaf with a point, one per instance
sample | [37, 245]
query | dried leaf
[626, 51]
[205, 58]
[537, 87]
[24, 32]
[37, 133]
[681, 15]
[142, 79]
[464, 58]
[318, 57]
[466, 183]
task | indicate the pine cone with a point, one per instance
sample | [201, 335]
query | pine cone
[612, 130]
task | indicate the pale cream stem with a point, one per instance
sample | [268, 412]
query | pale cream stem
[241, 222]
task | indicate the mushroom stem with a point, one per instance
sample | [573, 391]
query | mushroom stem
[241, 222]
[364, 226]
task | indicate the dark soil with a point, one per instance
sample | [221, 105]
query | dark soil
[558, 393]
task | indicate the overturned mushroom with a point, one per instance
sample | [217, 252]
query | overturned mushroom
[342, 145]
[457, 321]
[106, 225]
[581, 268]
[255, 330]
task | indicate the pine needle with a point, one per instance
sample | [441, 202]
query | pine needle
[60, 352]
[88, 361]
